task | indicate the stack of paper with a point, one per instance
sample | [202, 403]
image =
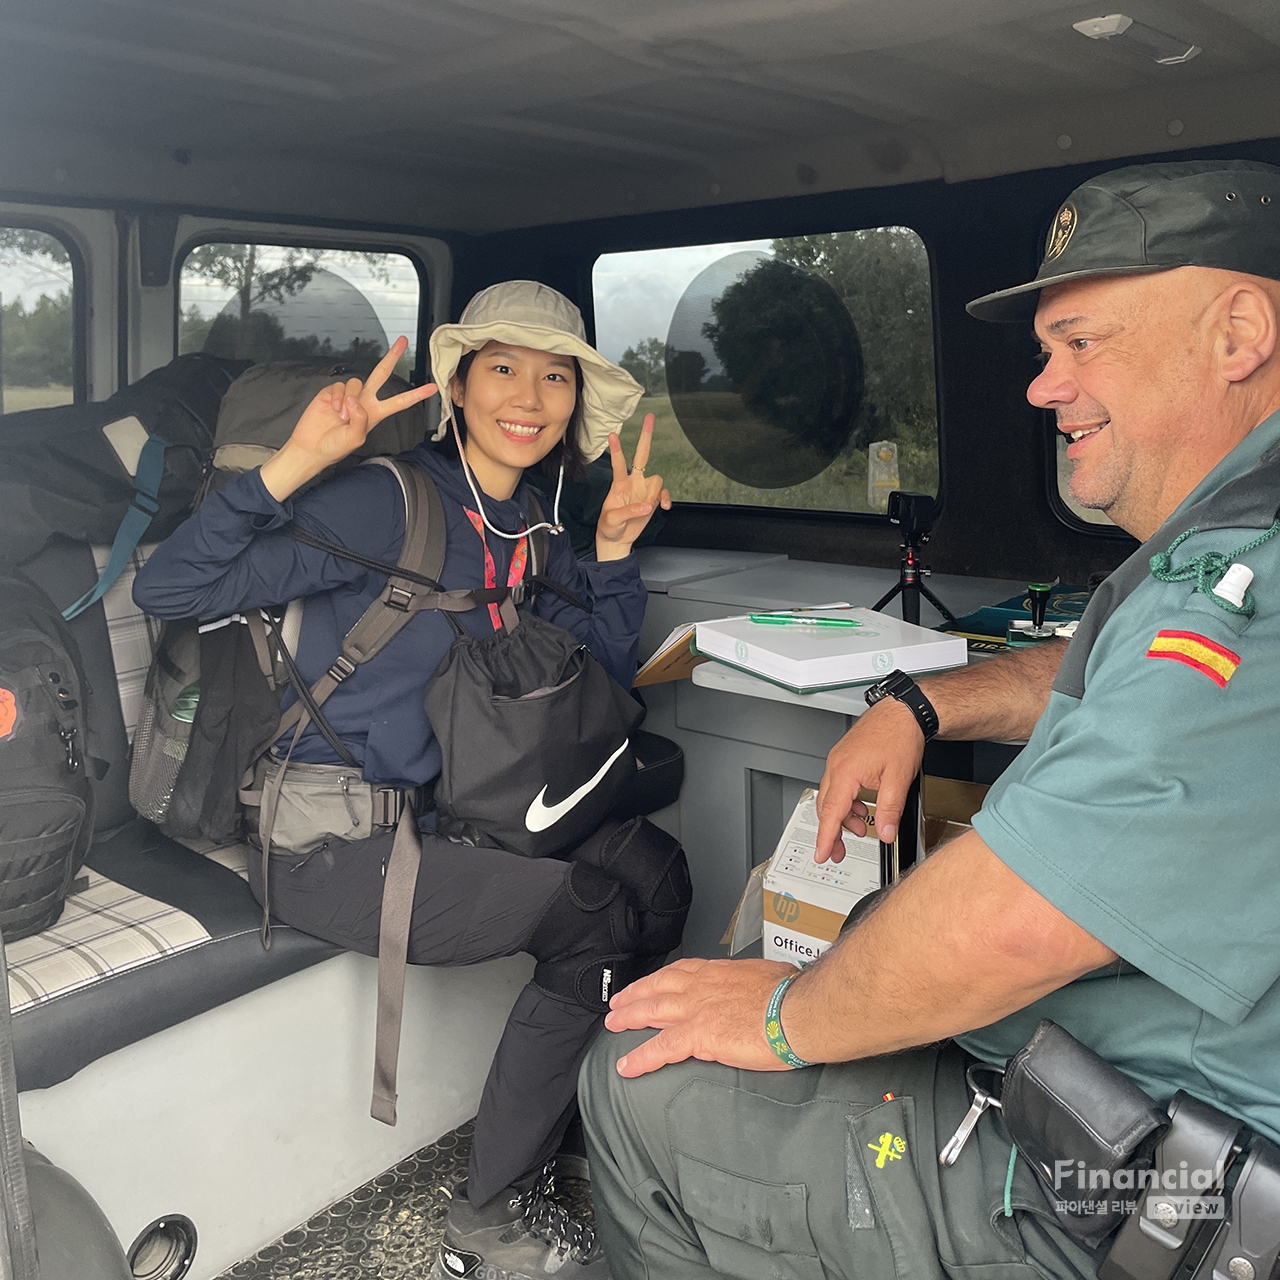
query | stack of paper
[806, 656]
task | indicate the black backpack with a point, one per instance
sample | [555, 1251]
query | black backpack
[81, 471]
[46, 802]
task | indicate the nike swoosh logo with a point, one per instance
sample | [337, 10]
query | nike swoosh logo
[541, 816]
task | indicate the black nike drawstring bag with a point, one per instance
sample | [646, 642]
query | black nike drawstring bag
[536, 738]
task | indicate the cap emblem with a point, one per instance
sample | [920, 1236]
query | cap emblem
[1060, 233]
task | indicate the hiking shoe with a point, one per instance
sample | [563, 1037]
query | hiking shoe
[518, 1235]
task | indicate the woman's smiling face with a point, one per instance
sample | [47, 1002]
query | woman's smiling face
[517, 403]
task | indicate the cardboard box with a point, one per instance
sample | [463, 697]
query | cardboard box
[797, 907]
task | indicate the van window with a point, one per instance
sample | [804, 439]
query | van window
[791, 372]
[37, 320]
[285, 302]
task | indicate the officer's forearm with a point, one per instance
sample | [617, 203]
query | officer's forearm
[997, 698]
[959, 944]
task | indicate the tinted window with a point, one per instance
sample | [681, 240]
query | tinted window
[37, 320]
[791, 373]
[277, 302]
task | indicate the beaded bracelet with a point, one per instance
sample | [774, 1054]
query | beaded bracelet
[773, 1025]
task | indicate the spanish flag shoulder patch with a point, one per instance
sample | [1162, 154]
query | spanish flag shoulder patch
[1197, 652]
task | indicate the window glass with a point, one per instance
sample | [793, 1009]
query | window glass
[787, 373]
[279, 302]
[1064, 488]
[37, 320]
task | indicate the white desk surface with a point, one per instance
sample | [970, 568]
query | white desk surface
[848, 702]
[662, 568]
[715, 675]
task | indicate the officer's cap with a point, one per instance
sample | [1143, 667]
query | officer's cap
[1151, 217]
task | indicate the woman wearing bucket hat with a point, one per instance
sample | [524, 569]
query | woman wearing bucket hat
[523, 389]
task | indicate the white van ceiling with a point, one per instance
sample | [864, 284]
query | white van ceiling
[484, 114]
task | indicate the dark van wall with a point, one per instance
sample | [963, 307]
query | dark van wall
[997, 451]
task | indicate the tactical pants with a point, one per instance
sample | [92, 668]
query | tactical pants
[470, 905]
[703, 1171]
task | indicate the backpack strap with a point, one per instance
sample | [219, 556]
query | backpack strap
[539, 541]
[137, 520]
[421, 558]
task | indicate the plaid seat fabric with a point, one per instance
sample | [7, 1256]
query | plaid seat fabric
[133, 634]
[104, 929]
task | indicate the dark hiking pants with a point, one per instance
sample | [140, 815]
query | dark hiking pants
[702, 1171]
[470, 905]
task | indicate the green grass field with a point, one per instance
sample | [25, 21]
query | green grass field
[16, 399]
[841, 487]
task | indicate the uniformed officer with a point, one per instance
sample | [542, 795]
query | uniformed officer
[1120, 878]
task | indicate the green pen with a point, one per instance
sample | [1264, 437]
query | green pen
[800, 620]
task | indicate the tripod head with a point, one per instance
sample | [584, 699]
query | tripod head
[914, 514]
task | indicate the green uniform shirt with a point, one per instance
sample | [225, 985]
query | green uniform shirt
[1148, 811]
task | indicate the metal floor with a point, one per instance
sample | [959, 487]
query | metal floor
[388, 1229]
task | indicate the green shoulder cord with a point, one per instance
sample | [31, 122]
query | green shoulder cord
[1208, 567]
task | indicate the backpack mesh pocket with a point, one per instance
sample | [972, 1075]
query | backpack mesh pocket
[157, 761]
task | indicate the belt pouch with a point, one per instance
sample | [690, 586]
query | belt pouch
[318, 804]
[1064, 1108]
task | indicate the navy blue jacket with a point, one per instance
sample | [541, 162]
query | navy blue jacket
[233, 555]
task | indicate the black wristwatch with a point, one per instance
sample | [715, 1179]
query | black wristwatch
[897, 684]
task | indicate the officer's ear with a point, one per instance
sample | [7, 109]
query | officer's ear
[1247, 334]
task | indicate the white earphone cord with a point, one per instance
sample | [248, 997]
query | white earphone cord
[554, 526]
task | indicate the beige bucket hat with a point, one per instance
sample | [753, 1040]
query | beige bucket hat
[528, 314]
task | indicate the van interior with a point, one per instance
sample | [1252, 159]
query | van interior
[272, 180]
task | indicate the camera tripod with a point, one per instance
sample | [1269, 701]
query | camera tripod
[913, 513]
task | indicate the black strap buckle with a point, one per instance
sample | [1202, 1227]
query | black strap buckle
[398, 598]
[388, 804]
[145, 503]
[341, 669]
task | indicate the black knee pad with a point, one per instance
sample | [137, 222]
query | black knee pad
[651, 866]
[585, 942]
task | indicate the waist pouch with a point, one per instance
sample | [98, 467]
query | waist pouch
[1063, 1105]
[536, 739]
[318, 804]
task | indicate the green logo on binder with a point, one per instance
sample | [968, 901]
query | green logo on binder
[883, 663]
[740, 650]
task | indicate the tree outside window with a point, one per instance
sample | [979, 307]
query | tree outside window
[37, 320]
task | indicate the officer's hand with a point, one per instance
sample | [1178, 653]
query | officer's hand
[712, 1010]
[882, 752]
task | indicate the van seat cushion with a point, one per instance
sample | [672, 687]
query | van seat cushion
[205, 953]
[105, 929]
[133, 634]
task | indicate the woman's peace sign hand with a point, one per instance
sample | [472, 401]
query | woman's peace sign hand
[632, 498]
[336, 423]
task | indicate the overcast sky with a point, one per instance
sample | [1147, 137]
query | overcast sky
[635, 293]
[28, 277]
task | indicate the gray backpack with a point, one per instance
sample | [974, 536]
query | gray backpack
[261, 408]
[222, 736]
